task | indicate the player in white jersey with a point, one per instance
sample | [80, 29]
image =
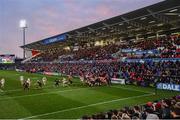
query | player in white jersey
[44, 80]
[22, 80]
[2, 83]
[29, 82]
[65, 82]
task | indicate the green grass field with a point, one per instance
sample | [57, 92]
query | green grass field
[67, 102]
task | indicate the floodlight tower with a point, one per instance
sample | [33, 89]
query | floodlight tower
[23, 25]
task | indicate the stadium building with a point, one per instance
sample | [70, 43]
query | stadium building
[142, 25]
[125, 67]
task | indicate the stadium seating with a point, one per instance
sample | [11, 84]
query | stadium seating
[146, 74]
[73, 68]
[106, 59]
[165, 47]
[94, 53]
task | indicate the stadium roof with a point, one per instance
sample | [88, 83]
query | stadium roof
[163, 16]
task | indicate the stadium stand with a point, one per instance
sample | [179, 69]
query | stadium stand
[164, 47]
[142, 47]
[148, 28]
[144, 74]
[147, 73]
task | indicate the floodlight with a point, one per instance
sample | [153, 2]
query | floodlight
[22, 23]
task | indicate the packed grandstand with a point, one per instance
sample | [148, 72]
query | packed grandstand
[141, 47]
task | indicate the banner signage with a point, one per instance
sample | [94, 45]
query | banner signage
[127, 50]
[118, 81]
[152, 60]
[59, 38]
[140, 52]
[52, 73]
[165, 86]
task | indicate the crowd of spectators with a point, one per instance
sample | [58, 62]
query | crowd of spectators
[148, 73]
[139, 73]
[160, 109]
[7, 66]
[74, 69]
[93, 53]
[162, 41]
[96, 53]
[168, 46]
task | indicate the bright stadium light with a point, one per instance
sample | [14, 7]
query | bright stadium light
[23, 25]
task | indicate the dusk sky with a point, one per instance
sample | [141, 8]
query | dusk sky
[46, 18]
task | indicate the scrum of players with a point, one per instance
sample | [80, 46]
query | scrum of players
[91, 79]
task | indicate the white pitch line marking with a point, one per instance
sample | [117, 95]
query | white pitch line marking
[90, 105]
